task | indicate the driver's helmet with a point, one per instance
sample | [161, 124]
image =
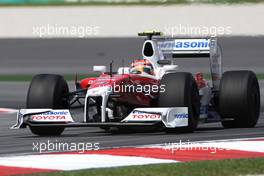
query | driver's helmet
[141, 66]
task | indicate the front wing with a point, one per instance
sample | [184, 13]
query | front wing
[168, 117]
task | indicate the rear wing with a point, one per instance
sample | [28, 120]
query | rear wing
[194, 47]
[180, 47]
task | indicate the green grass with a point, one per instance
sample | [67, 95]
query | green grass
[201, 168]
[70, 77]
[129, 2]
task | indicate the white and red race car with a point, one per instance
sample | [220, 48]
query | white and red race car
[151, 92]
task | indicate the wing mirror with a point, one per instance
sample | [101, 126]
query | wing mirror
[101, 69]
[164, 62]
[168, 68]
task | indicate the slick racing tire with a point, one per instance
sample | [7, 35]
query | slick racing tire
[181, 91]
[239, 99]
[47, 91]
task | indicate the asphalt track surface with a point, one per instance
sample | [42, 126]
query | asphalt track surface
[12, 95]
[33, 56]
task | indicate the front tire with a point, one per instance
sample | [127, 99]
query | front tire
[239, 99]
[47, 91]
[181, 91]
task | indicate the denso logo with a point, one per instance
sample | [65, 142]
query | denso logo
[91, 81]
[47, 117]
[55, 113]
[146, 116]
[181, 115]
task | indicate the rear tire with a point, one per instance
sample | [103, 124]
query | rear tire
[47, 91]
[239, 99]
[181, 91]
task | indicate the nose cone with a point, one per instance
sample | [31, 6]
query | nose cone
[99, 91]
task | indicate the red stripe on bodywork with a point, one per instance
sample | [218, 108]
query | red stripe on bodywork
[6, 170]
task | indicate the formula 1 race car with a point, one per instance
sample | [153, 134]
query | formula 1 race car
[149, 93]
